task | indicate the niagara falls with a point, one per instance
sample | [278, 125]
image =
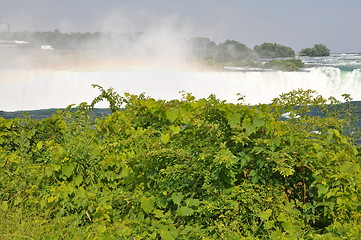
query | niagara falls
[33, 79]
[178, 120]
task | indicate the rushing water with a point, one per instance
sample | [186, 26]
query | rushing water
[344, 61]
[29, 88]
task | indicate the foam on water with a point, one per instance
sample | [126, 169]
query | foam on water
[346, 62]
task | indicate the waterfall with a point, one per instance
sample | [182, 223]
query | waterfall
[30, 89]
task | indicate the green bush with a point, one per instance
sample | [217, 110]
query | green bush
[319, 50]
[231, 51]
[285, 65]
[181, 169]
[273, 50]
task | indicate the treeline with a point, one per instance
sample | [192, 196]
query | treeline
[204, 48]
[71, 41]
[230, 52]
[318, 50]
[235, 53]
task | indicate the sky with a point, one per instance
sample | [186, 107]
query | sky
[296, 24]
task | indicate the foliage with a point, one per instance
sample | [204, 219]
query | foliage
[273, 50]
[319, 50]
[76, 40]
[228, 53]
[204, 51]
[232, 50]
[181, 169]
[285, 65]
[203, 48]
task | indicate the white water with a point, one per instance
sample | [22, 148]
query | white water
[22, 89]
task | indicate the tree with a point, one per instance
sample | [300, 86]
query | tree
[273, 50]
[285, 65]
[319, 50]
[203, 48]
[232, 50]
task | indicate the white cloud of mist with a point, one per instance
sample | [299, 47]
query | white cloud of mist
[128, 38]
[161, 40]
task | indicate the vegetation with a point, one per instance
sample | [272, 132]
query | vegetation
[203, 50]
[75, 41]
[285, 65]
[182, 169]
[232, 50]
[234, 53]
[273, 50]
[319, 50]
[229, 52]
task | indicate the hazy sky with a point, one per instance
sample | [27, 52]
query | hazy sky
[297, 24]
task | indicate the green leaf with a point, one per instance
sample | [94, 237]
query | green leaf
[321, 189]
[167, 233]
[78, 180]
[258, 123]
[125, 170]
[347, 166]
[8, 124]
[192, 202]
[282, 217]
[248, 126]
[269, 224]
[158, 213]
[147, 204]
[177, 198]
[265, 215]
[51, 199]
[4, 206]
[185, 211]
[174, 129]
[288, 227]
[68, 169]
[18, 200]
[233, 118]
[276, 141]
[101, 228]
[340, 201]
[50, 237]
[165, 137]
[39, 146]
[172, 114]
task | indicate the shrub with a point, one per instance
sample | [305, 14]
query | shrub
[273, 50]
[285, 65]
[181, 169]
[319, 50]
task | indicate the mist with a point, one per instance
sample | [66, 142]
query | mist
[160, 45]
[152, 61]
[159, 61]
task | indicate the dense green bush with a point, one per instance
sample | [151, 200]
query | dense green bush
[230, 51]
[217, 56]
[181, 169]
[285, 65]
[203, 48]
[319, 50]
[273, 50]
